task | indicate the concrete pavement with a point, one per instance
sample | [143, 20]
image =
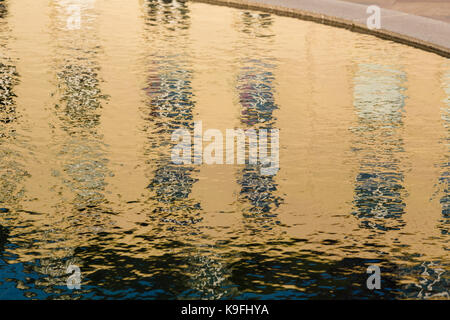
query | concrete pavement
[434, 9]
[414, 30]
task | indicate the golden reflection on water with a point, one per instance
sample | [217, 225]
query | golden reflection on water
[86, 120]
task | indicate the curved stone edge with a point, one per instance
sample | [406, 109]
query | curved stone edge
[340, 22]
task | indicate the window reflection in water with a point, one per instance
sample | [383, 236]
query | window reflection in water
[171, 106]
[379, 102]
[255, 85]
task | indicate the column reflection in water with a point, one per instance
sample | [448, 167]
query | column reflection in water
[379, 102]
[171, 107]
[17, 232]
[12, 171]
[445, 178]
[255, 85]
[78, 109]
[80, 162]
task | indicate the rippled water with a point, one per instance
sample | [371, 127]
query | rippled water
[86, 117]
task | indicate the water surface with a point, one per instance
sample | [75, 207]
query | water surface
[86, 117]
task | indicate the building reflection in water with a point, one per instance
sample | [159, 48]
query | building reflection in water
[166, 243]
[14, 154]
[379, 102]
[255, 85]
